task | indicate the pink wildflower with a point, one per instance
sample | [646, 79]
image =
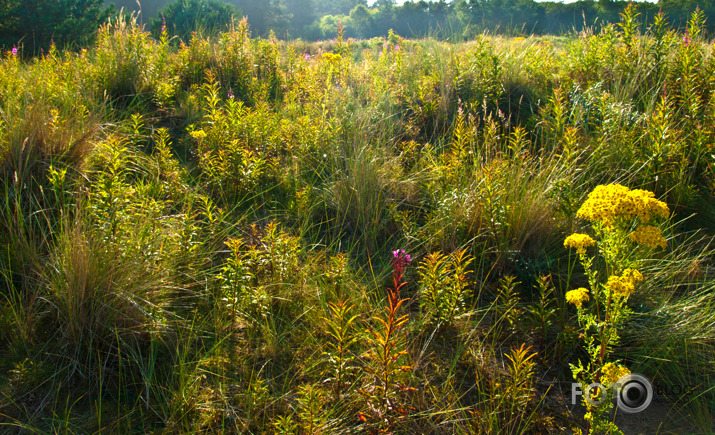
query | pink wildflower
[400, 261]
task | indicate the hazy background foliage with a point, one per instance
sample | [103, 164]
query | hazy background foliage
[35, 23]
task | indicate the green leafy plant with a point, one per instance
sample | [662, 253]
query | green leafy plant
[341, 328]
[507, 302]
[444, 282]
[543, 312]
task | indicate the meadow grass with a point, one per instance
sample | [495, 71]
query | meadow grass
[208, 236]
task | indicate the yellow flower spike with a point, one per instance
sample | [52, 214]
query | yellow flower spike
[648, 235]
[332, 57]
[619, 287]
[580, 242]
[632, 275]
[601, 204]
[198, 135]
[646, 206]
[624, 285]
[610, 373]
[577, 297]
[606, 203]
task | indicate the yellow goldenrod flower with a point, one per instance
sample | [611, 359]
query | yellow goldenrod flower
[645, 205]
[610, 373]
[648, 235]
[619, 287]
[198, 135]
[579, 241]
[577, 297]
[624, 285]
[332, 57]
[632, 275]
[600, 206]
[606, 203]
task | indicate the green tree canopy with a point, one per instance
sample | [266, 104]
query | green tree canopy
[336, 7]
[35, 24]
[362, 19]
[301, 13]
[264, 16]
[182, 17]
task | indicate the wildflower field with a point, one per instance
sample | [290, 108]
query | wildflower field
[249, 235]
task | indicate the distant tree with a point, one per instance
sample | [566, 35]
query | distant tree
[361, 19]
[329, 24]
[385, 4]
[149, 8]
[38, 23]
[9, 20]
[415, 19]
[185, 16]
[264, 15]
[336, 7]
[301, 14]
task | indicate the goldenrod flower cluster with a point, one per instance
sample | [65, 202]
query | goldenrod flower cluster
[607, 203]
[648, 235]
[198, 135]
[624, 285]
[577, 297]
[332, 57]
[579, 241]
[610, 373]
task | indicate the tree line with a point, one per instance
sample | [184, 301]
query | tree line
[36, 24]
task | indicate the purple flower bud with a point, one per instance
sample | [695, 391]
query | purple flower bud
[306, 56]
[14, 51]
[396, 253]
[408, 257]
[230, 93]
